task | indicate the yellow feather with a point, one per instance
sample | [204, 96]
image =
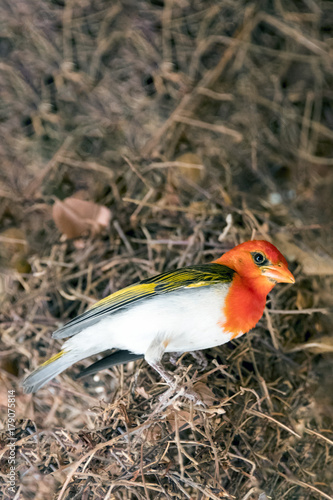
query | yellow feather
[195, 285]
[54, 358]
[126, 294]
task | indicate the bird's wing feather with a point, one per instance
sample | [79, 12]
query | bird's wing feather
[119, 357]
[187, 277]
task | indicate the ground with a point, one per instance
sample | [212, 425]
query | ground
[199, 125]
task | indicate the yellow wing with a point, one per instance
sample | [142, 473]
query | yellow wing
[187, 277]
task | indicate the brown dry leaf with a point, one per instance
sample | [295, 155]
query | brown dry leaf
[74, 217]
[303, 299]
[206, 394]
[183, 418]
[311, 262]
[20, 263]
[9, 365]
[321, 345]
[15, 249]
[13, 240]
[190, 168]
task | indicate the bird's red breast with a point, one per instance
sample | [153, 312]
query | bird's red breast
[243, 307]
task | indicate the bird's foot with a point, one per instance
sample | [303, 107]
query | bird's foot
[176, 391]
[198, 356]
[191, 395]
[176, 388]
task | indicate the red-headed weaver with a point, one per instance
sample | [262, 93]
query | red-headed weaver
[188, 309]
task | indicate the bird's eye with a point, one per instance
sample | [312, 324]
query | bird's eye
[258, 258]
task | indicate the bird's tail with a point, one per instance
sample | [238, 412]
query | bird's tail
[50, 369]
[116, 358]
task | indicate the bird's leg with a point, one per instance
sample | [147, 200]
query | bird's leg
[153, 357]
[175, 386]
[170, 380]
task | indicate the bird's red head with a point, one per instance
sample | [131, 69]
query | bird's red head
[260, 262]
[259, 266]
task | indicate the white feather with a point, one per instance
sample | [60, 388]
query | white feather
[184, 320]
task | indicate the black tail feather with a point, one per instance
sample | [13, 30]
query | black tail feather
[115, 358]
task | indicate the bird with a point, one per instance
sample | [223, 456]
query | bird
[188, 309]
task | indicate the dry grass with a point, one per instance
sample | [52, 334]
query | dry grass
[105, 99]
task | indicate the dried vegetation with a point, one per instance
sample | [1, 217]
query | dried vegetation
[198, 125]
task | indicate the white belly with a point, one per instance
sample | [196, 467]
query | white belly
[185, 320]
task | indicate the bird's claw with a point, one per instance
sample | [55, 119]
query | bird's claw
[191, 395]
[198, 356]
[180, 391]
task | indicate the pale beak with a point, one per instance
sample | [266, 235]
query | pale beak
[279, 273]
